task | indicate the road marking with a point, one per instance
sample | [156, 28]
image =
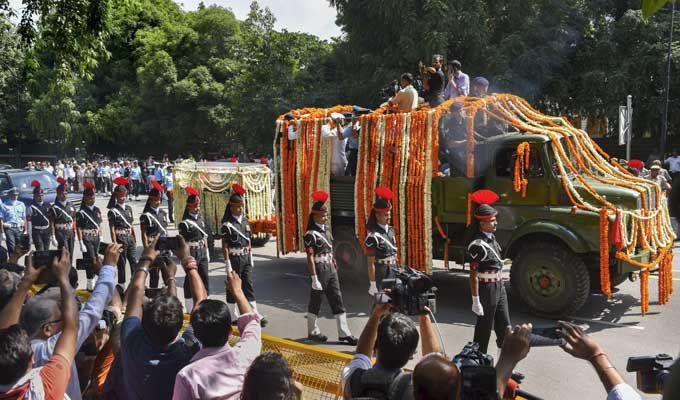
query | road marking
[296, 275]
[613, 324]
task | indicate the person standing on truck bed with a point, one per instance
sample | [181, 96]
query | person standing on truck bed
[237, 249]
[319, 247]
[489, 300]
[381, 245]
[351, 133]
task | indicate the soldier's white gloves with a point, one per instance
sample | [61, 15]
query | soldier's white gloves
[83, 249]
[32, 247]
[316, 285]
[54, 242]
[372, 289]
[227, 264]
[477, 306]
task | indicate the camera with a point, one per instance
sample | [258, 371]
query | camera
[410, 291]
[477, 373]
[24, 241]
[651, 371]
[167, 243]
[390, 90]
[45, 258]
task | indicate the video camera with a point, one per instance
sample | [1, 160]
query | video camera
[410, 292]
[477, 374]
[651, 371]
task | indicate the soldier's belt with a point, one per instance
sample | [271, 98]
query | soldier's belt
[41, 228]
[387, 261]
[123, 231]
[490, 277]
[90, 232]
[239, 252]
[324, 258]
[197, 245]
[63, 226]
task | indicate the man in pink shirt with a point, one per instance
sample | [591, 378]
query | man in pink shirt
[217, 371]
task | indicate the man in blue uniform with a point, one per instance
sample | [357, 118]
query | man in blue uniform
[12, 219]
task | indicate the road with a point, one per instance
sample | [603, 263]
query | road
[617, 325]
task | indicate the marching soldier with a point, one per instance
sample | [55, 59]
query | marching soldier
[381, 245]
[237, 249]
[319, 247]
[13, 219]
[154, 222]
[120, 227]
[489, 300]
[38, 220]
[62, 216]
[192, 229]
[88, 228]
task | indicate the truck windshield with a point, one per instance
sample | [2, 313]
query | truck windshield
[570, 156]
[23, 181]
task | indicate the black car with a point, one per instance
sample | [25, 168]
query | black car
[21, 179]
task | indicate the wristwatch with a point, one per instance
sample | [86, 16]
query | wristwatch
[145, 269]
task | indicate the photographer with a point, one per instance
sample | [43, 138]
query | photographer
[41, 317]
[458, 82]
[406, 100]
[18, 378]
[584, 347]
[394, 338]
[433, 80]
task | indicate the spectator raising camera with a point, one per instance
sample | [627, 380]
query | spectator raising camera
[394, 337]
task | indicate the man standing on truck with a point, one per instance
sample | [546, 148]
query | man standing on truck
[489, 300]
[381, 245]
[319, 247]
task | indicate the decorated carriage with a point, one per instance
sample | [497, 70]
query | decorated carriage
[213, 180]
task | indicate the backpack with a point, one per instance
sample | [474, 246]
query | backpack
[380, 385]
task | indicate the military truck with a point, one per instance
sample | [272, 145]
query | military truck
[555, 251]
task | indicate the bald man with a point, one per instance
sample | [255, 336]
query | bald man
[435, 378]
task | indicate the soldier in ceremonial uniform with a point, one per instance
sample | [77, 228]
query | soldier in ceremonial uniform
[38, 220]
[88, 229]
[322, 269]
[381, 245]
[120, 227]
[192, 229]
[489, 300]
[237, 249]
[62, 215]
[154, 222]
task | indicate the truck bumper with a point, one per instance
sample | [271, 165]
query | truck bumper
[623, 267]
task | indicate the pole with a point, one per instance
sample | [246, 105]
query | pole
[664, 126]
[629, 124]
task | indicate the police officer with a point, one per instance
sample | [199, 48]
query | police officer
[120, 226]
[62, 217]
[489, 300]
[13, 219]
[319, 247]
[88, 228]
[154, 222]
[237, 249]
[192, 229]
[381, 245]
[38, 220]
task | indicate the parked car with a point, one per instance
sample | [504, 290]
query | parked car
[21, 179]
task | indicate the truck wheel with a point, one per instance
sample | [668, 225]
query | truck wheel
[551, 279]
[261, 241]
[349, 255]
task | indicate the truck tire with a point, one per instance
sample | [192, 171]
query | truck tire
[349, 255]
[550, 279]
[261, 241]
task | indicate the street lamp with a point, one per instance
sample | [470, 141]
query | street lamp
[664, 126]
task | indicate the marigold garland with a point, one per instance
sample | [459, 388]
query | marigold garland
[520, 183]
[605, 282]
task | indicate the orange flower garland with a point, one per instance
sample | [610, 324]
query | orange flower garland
[521, 166]
[605, 282]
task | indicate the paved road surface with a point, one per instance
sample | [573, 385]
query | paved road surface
[282, 291]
